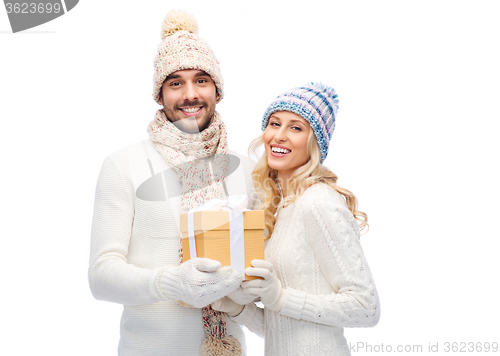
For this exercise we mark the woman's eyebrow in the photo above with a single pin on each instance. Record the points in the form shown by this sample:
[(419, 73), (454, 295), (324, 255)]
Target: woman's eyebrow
[(294, 121)]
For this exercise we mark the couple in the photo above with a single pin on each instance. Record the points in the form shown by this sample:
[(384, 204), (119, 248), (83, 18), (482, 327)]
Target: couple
[(315, 279)]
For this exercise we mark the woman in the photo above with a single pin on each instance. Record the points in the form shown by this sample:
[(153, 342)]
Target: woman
[(315, 279)]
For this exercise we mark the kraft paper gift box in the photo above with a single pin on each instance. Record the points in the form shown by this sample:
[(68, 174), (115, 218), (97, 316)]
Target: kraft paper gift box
[(212, 234)]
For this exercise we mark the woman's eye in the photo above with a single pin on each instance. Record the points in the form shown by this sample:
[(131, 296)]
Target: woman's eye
[(297, 128), (274, 124)]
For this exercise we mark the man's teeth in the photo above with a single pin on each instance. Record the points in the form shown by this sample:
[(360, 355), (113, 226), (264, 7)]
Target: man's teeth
[(280, 150), (190, 110)]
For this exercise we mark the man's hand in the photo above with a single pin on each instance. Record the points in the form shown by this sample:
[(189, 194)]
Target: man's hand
[(198, 282)]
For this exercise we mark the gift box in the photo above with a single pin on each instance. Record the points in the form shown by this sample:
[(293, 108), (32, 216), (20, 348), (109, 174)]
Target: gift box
[(212, 232)]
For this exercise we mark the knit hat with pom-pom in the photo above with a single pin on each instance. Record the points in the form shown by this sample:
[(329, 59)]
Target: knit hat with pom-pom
[(315, 102), (181, 48)]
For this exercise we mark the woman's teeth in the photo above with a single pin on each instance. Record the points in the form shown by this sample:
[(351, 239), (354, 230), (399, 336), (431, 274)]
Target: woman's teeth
[(280, 150)]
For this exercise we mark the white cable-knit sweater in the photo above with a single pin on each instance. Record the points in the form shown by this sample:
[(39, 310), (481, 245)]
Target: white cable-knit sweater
[(135, 234), (316, 252)]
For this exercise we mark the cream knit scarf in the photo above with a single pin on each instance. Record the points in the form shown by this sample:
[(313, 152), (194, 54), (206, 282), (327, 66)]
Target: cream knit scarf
[(201, 181)]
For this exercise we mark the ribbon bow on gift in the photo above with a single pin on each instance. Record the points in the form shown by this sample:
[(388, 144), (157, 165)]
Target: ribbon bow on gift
[(236, 205)]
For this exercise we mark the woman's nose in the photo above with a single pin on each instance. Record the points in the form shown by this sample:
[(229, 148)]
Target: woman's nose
[(280, 135)]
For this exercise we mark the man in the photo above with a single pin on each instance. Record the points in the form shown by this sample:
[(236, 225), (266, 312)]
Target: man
[(141, 192)]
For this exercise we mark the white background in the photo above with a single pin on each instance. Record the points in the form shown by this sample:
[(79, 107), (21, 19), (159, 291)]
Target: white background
[(416, 141)]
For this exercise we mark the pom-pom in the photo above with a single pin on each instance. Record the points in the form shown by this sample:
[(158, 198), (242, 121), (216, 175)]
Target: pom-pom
[(227, 346), (320, 87), (178, 20)]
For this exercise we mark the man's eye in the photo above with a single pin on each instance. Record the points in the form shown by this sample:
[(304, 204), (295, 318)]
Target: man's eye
[(202, 80), (175, 84)]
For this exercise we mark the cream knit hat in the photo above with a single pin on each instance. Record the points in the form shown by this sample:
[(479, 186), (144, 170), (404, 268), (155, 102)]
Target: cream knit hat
[(181, 48)]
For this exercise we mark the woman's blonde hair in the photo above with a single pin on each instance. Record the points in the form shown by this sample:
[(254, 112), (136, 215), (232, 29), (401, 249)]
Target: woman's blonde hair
[(266, 185)]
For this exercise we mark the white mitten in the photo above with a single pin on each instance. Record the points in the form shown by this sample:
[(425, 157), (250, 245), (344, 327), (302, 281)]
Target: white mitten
[(228, 306), (269, 289), (198, 282)]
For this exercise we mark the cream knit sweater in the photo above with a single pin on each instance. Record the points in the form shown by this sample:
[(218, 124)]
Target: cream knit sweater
[(135, 234), (316, 252)]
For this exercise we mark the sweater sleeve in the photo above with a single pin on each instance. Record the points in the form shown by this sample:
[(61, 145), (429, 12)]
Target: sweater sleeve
[(252, 317), (111, 278), (333, 233)]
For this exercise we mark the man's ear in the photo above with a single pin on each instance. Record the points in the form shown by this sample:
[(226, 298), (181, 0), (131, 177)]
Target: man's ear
[(161, 98)]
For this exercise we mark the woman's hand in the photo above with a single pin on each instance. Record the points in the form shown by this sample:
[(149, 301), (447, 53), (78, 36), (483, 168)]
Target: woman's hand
[(228, 306), (269, 289)]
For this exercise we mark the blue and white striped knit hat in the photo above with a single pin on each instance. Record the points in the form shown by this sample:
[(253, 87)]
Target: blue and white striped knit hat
[(317, 103)]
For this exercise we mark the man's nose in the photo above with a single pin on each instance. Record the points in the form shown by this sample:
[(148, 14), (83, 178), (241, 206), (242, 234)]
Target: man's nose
[(190, 92)]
